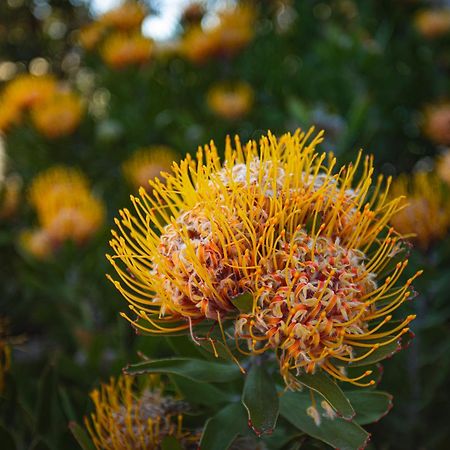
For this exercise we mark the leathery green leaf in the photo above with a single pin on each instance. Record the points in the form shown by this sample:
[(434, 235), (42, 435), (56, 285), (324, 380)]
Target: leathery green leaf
[(261, 400), (195, 369), (339, 433), (223, 428), (370, 406), (330, 391)]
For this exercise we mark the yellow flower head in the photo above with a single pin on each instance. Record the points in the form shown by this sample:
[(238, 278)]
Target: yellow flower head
[(148, 163), (127, 17), (37, 243), (138, 418), (233, 32), (25, 91), (197, 45), (58, 115), (235, 29), (433, 23), (10, 115), (437, 123), (443, 166), (231, 101), (122, 50), (10, 196), (279, 222), (90, 35), (65, 206), (425, 215)]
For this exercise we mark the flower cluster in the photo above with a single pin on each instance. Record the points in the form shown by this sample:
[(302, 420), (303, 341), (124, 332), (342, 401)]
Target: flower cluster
[(433, 23), (234, 30), (309, 243), (437, 123), (137, 417), (148, 163), (117, 36), (66, 210), (230, 101), (54, 110)]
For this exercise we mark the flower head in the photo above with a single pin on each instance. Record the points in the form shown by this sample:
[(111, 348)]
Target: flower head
[(65, 206), (437, 123), (127, 17), (10, 196), (58, 115), (27, 90), (122, 50), (278, 222), (232, 33), (37, 242), (139, 418), (91, 34), (425, 215), (443, 166), (231, 101), (148, 163), (433, 23)]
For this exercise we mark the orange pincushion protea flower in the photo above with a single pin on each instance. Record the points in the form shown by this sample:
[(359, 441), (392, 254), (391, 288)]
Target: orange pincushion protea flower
[(58, 115), (443, 166), (278, 222), (128, 16), (233, 32), (90, 35), (65, 207), (231, 101), (437, 123), (425, 217), (148, 163), (127, 416), (122, 50), (27, 90), (433, 23)]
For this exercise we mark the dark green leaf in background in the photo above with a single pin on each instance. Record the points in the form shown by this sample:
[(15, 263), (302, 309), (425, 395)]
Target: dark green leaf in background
[(195, 369)]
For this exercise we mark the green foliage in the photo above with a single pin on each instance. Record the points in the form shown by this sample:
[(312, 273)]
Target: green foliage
[(361, 71)]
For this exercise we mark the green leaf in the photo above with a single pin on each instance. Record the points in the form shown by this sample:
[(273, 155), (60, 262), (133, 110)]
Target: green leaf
[(199, 393), (216, 348), (243, 302), (45, 408), (330, 391), (337, 432), (81, 436), (386, 351), (222, 429), (370, 406), (195, 369), (7, 439), (170, 443), (260, 400)]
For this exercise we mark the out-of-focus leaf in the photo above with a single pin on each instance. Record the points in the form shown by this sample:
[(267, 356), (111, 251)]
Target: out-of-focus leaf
[(243, 302), (200, 393), (195, 369), (6, 439), (370, 406), (81, 436), (40, 444), (337, 432), (170, 443), (222, 429), (46, 401), (330, 391), (261, 400)]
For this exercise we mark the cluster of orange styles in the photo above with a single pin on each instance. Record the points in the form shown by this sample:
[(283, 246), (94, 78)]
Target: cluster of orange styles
[(277, 220)]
